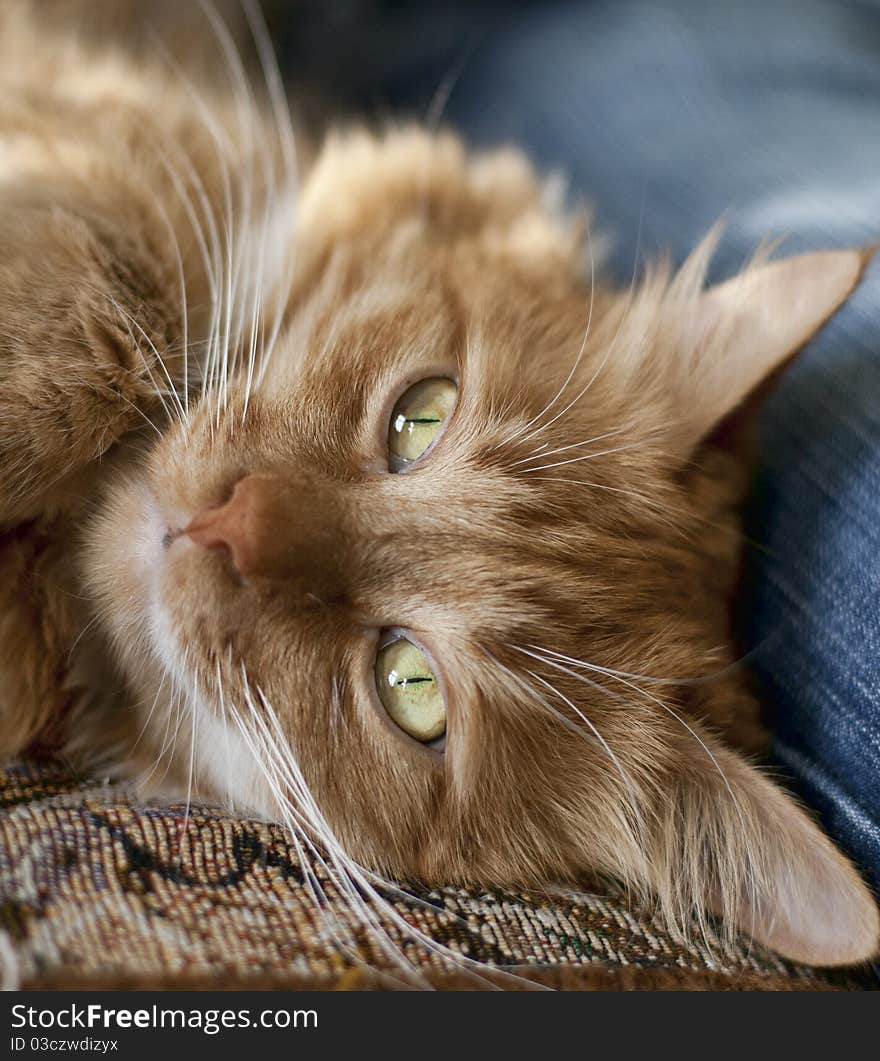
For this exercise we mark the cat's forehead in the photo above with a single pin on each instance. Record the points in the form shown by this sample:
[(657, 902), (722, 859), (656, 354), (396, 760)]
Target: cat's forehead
[(338, 308), (416, 301)]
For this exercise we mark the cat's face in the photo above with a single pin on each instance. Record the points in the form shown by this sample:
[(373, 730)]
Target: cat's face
[(447, 564)]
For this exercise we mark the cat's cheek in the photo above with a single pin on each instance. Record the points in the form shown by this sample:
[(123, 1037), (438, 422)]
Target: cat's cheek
[(229, 770), (196, 600)]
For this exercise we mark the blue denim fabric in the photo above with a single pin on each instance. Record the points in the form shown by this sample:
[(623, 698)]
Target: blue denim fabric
[(669, 114)]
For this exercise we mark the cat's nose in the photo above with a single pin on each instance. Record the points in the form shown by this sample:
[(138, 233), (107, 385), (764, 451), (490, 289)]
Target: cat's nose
[(285, 525), (235, 525)]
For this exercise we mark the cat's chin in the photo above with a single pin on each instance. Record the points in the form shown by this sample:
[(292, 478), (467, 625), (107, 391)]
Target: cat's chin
[(158, 535), (136, 534), (125, 560)]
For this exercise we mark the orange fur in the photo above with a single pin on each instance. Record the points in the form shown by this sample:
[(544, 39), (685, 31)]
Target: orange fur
[(577, 608)]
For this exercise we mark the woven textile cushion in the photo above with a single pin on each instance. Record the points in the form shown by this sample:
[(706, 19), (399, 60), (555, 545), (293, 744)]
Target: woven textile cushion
[(100, 890)]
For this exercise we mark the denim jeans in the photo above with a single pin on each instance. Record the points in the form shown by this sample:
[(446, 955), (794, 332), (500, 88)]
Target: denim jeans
[(669, 114)]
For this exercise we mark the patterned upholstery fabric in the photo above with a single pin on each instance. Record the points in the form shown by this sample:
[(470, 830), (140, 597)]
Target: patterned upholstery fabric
[(97, 889)]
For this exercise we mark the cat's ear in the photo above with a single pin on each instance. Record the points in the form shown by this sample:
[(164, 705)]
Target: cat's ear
[(408, 184), (753, 856), (740, 332)]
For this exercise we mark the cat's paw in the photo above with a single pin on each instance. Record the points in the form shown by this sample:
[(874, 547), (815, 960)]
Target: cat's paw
[(39, 624), (87, 332)]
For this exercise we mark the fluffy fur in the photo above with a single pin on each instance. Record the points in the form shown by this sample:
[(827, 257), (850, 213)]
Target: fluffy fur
[(170, 324)]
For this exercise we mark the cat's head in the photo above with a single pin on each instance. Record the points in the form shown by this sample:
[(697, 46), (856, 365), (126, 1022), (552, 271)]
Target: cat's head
[(451, 560)]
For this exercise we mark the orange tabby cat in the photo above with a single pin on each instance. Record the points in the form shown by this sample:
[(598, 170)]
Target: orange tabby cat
[(361, 503)]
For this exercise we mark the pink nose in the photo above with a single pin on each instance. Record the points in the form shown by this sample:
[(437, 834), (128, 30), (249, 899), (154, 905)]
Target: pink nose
[(234, 525)]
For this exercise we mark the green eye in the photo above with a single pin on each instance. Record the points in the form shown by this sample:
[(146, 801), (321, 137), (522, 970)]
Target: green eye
[(417, 419), (409, 690)]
